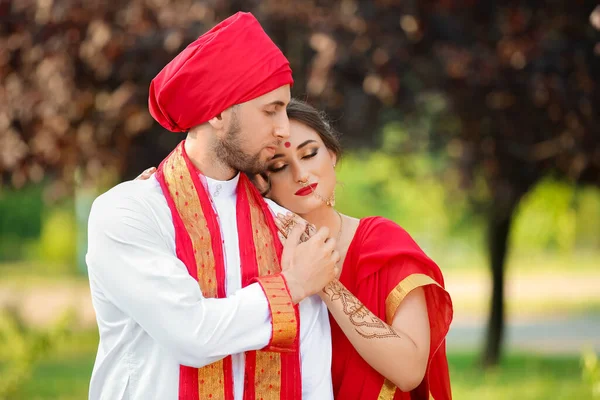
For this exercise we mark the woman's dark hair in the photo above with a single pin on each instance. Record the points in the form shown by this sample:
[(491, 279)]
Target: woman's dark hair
[(301, 111)]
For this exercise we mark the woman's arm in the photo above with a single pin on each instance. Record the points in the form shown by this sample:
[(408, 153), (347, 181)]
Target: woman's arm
[(399, 352)]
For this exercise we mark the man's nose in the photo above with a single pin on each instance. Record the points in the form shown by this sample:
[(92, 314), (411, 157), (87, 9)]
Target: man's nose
[(282, 129)]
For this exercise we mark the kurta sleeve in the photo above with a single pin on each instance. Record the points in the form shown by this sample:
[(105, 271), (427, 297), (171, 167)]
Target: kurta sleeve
[(132, 264)]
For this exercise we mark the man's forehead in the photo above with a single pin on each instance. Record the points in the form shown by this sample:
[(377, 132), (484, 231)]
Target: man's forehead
[(279, 96)]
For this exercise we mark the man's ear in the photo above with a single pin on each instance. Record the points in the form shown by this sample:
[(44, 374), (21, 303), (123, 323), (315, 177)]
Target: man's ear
[(217, 122)]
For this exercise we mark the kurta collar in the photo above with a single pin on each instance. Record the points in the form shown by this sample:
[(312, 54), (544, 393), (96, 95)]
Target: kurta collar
[(222, 189)]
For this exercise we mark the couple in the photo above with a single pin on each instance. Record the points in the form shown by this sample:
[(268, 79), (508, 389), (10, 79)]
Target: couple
[(195, 294)]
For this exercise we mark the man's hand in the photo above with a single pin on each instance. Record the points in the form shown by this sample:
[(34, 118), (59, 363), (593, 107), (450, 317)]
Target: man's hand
[(308, 266), (146, 174)]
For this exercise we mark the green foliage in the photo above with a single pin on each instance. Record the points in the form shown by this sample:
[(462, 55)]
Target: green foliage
[(58, 239), (421, 193), (21, 221), (591, 372), (559, 217), (412, 194), (22, 348)]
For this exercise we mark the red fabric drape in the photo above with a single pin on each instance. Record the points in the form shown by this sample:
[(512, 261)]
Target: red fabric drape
[(381, 257)]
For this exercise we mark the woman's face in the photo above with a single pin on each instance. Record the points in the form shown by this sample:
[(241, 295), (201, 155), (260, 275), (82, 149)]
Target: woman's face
[(302, 171)]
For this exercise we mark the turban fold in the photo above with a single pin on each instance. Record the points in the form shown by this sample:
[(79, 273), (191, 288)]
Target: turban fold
[(232, 63)]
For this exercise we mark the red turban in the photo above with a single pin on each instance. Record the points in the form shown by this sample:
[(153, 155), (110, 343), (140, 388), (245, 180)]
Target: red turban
[(232, 63)]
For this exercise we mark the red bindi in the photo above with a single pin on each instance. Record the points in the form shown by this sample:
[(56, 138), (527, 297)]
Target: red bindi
[(287, 144)]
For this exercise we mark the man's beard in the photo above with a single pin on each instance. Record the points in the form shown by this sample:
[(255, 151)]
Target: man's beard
[(230, 151)]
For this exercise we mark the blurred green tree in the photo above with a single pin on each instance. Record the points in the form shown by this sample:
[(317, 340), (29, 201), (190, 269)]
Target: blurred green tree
[(510, 88)]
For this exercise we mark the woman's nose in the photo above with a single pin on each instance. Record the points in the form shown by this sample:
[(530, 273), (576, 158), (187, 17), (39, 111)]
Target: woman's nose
[(300, 175)]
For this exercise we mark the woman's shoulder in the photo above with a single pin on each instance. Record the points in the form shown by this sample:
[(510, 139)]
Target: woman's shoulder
[(385, 237), (381, 228), (382, 242)]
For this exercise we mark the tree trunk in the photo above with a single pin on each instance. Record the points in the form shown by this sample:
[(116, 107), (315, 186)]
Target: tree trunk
[(499, 229)]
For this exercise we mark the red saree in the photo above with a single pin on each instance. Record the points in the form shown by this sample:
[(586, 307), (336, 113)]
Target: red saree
[(274, 372), (383, 264)]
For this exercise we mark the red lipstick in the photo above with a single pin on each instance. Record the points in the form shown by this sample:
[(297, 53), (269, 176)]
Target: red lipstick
[(305, 191)]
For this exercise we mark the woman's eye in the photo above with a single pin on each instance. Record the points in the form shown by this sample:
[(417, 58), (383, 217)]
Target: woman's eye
[(270, 113), (311, 155), (277, 168)]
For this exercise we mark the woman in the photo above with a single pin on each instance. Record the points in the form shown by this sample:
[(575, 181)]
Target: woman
[(389, 310)]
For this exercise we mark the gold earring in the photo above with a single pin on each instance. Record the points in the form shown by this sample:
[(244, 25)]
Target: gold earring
[(331, 200)]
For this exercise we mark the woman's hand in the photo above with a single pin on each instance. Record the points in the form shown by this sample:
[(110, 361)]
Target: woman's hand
[(285, 223)]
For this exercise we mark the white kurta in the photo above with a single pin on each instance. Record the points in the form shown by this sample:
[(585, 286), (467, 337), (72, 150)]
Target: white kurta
[(152, 316)]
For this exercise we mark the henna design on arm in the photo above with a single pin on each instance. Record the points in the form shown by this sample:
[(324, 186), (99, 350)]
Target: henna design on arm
[(366, 323)]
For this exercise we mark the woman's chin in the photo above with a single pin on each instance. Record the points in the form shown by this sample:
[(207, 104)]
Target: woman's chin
[(306, 205)]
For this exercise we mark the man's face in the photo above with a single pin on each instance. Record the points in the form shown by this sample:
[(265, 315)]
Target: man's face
[(254, 130)]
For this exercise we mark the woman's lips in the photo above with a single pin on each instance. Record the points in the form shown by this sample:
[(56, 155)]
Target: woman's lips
[(305, 191)]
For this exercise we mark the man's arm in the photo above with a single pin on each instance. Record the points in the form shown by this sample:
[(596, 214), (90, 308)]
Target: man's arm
[(138, 272)]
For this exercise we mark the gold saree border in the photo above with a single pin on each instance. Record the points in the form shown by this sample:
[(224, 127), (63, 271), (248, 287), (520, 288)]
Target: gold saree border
[(392, 302), (388, 390), (406, 285), (179, 181)]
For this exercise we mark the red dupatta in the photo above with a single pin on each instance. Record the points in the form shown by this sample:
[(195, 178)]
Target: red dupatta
[(383, 264), (272, 373)]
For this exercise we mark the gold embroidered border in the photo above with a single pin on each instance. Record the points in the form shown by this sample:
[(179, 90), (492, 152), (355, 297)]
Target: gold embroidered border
[(182, 191), (266, 256), (388, 390), (283, 314), (398, 294), (211, 381), (267, 376), (392, 302)]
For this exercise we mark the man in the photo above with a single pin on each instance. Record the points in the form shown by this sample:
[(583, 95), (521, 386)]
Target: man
[(195, 296)]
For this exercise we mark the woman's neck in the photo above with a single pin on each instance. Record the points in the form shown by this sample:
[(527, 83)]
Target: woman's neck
[(324, 216)]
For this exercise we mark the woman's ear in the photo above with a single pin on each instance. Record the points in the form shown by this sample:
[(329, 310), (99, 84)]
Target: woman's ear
[(333, 157)]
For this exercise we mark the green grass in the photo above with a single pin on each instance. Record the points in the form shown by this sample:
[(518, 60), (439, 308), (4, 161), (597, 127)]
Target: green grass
[(65, 376), (520, 376)]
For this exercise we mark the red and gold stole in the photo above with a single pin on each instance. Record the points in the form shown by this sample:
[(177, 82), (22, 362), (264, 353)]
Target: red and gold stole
[(274, 372)]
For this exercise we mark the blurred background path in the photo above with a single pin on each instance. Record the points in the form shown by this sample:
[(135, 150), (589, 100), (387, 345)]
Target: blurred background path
[(549, 313)]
